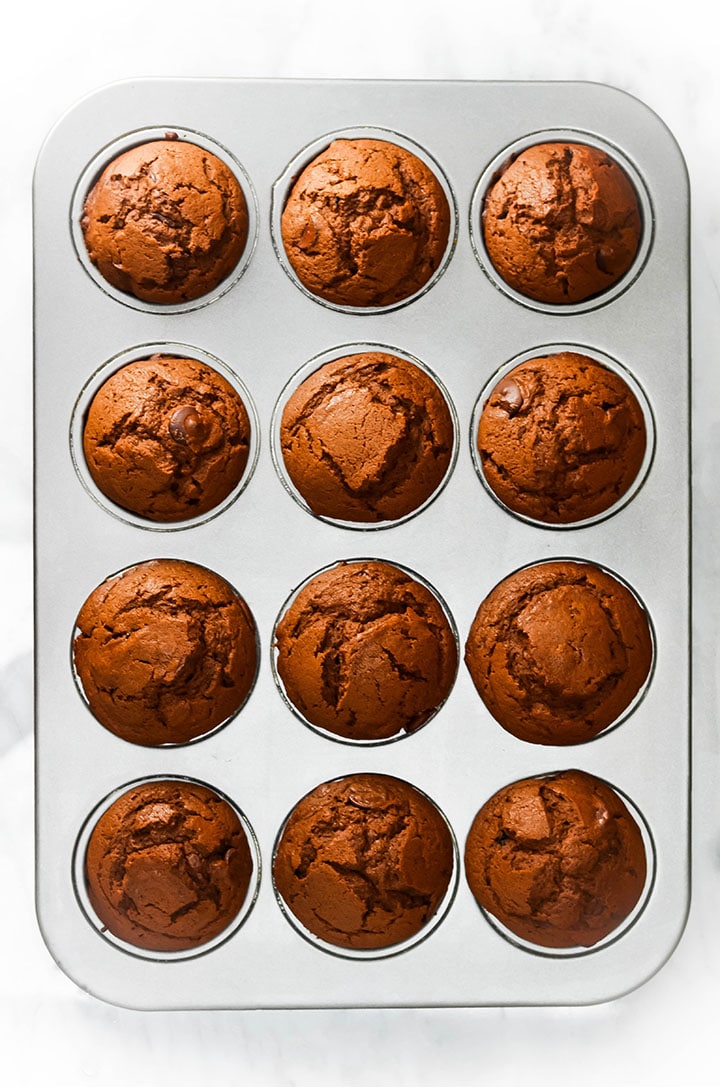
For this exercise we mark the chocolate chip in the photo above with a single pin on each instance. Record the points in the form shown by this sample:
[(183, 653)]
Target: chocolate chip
[(509, 396), (603, 256), (185, 424), (308, 237)]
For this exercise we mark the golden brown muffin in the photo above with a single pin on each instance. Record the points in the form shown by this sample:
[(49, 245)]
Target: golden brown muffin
[(166, 221), (167, 438), (558, 651), (364, 862), (561, 438), (168, 866), (165, 651), (562, 223), (558, 860), (366, 223), (366, 438), (365, 651)]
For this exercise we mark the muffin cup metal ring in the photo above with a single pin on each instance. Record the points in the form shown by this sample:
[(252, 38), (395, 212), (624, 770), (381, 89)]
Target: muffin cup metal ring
[(95, 382), (578, 951), (334, 736), (83, 899), (301, 375), (503, 159), (134, 139), (370, 954), (282, 187), (609, 363)]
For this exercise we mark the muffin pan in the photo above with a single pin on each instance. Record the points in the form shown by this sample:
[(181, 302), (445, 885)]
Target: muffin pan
[(261, 329)]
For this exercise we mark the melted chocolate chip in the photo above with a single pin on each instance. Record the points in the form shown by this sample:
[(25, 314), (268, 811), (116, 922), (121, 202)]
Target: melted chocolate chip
[(185, 425), (603, 257), (509, 396)]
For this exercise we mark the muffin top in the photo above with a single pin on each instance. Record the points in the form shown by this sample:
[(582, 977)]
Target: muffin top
[(561, 438), (562, 222), (168, 865), (366, 223), (167, 438), (367, 438), (364, 861), (165, 652), (166, 221), (558, 651), (365, 651), (558, 860)]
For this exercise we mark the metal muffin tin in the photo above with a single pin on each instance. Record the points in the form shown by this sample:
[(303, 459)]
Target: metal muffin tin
[(263, 329)]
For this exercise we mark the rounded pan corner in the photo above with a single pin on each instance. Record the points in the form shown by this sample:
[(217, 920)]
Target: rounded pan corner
[(648, 972), (57, 128), (628, 98), (83, 111), (90, 986), (60, 962)]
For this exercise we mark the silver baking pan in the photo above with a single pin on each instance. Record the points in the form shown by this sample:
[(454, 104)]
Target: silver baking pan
[(264, 329)]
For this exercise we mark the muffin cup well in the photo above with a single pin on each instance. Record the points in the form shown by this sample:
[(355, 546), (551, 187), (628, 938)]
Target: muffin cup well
[(617, 933), (203, 735), (284, 183), (491, 173), (610, 364), (83, 899), (95, 382), (301, 375), (401, 734), (369, 954), (104, 157), (643, 689)]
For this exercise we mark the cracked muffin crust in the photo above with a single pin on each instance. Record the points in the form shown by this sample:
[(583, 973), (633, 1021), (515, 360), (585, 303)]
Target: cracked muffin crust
[(168, 865), (558, 860), (366, 223), (364, 862), (166, 438), (165, 652), (365, 651), (561, 438), (562, 223), (166, 221), (558, 651), (367, 437)]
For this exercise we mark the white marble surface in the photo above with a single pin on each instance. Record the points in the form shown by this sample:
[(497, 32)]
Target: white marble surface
[(49, 1030)]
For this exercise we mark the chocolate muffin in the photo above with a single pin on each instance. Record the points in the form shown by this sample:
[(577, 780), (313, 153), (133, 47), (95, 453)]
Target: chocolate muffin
[(562, 222), (367, 438), (365, 651), (167, 438), (558, 860), (558, 651), (366, 224), (168, 866), (166, 221), (561, 438), (364, 862), (165, 651)]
